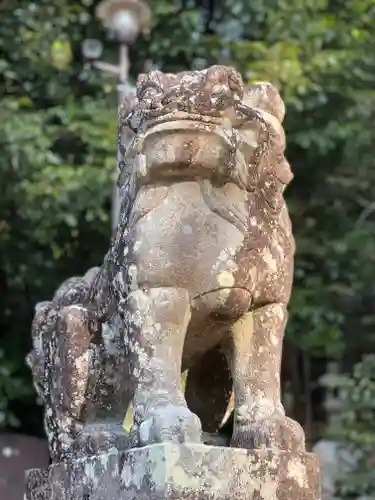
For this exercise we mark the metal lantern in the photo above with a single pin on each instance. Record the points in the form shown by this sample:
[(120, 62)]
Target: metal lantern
[(125, 18)]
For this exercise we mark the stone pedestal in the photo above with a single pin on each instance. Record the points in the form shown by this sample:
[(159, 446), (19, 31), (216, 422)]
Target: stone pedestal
[(180, 472)]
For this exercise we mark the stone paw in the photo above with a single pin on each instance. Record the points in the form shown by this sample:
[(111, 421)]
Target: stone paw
[(167, 424), (276, 432), (99, 438)]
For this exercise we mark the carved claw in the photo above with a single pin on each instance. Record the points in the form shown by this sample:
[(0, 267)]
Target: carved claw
[(276, 431), (171, 424)]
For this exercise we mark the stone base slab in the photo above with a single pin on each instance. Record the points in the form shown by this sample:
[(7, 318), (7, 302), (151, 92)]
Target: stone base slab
[(180, 472)]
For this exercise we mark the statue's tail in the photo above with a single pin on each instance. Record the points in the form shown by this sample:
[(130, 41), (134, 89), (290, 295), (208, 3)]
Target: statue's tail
[(102, 298)]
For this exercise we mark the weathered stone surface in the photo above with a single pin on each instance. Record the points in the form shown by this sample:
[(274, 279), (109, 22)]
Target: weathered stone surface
[(201, 266), (181, 472)]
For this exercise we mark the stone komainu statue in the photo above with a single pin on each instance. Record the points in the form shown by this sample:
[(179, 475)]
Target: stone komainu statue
[(200, 270)]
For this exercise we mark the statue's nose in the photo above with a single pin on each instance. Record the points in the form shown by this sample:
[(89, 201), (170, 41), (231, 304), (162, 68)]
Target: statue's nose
[(221, 96), (221, 89)]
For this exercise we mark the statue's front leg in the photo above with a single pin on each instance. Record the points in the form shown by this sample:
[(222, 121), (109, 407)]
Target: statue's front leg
[(157, 322), (259, 418)]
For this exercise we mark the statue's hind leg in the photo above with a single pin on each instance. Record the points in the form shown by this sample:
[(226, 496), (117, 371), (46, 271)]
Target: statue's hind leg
[(157, 323), (259, 419)]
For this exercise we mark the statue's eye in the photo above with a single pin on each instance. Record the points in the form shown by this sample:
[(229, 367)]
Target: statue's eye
[(129, 121), (133, 121)]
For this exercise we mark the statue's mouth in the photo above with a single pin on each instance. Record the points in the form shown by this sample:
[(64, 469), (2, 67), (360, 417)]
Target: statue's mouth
[(223, 126)]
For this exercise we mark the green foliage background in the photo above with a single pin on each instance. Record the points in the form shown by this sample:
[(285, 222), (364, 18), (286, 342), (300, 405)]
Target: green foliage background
[(57, 140), (354, 428)]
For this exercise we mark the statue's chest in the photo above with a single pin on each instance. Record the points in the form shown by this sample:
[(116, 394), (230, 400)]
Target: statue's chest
[(191, 203), (199, 237), (200, 213), (186, 235)]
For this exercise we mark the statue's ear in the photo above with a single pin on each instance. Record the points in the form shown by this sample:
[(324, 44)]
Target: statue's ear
[(266, 97)]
